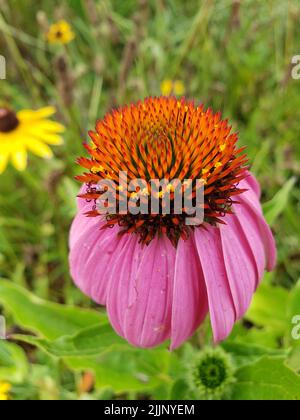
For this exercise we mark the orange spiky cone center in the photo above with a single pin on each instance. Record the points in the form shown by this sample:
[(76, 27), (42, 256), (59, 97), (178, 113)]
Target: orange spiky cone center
[(163, 138)]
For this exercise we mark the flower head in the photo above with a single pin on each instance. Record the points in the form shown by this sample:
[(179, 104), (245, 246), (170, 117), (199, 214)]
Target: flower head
[(163, 138), (60, 33), (211, 374), (27, 131), (158, 276), (5, 387)]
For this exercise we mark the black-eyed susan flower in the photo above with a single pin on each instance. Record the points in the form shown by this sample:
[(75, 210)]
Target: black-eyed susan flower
[(5, 388), (60, 33), (159, 277), (169, 87), (25, 131)]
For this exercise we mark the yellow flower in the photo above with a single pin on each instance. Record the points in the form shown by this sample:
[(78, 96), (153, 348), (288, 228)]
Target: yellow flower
[(4, 391), (169, 87), (27, 131), (179, 88), (60, 33), (166, 87)]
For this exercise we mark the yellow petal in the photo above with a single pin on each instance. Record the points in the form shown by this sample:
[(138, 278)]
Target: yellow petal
[(39, 128), (166, 87), (3, 165), (5, 387), (36, 131), (39, 148), (52, 126), (19, 159), (51, 139), (51, 36), (63, 25), (179, 88), (68, 37), (29, 115)]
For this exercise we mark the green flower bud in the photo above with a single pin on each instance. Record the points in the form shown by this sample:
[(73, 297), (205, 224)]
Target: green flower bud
[(211, 374)]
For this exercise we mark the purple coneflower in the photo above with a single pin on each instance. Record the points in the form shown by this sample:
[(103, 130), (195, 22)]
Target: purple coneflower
[(157, 276)]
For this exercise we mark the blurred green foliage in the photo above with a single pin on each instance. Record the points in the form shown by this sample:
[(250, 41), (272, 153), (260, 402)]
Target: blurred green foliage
[(235, 57)]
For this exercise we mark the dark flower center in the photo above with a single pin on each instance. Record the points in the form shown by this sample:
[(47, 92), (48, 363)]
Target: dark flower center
[(212, 373), (8, 120)]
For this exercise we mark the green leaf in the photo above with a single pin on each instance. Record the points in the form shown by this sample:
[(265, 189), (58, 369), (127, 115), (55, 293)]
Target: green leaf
[(50, 320), (179, 390), (294, 306), (130, 370), (245, 353), (88, 342), (67, 189), (274, 308), (293, 315), (267, 379), (13, 363), (275, 207), (255, 335), (294, 360), (269, 308)]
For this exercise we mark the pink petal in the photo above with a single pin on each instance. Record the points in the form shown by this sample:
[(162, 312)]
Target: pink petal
[(190, 304), (240, 265), (251, 183), (140, 293), (82, 203), (120, 281), (248, 229), (92, 254), (81, 223), (221, 306), (255, 218)]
